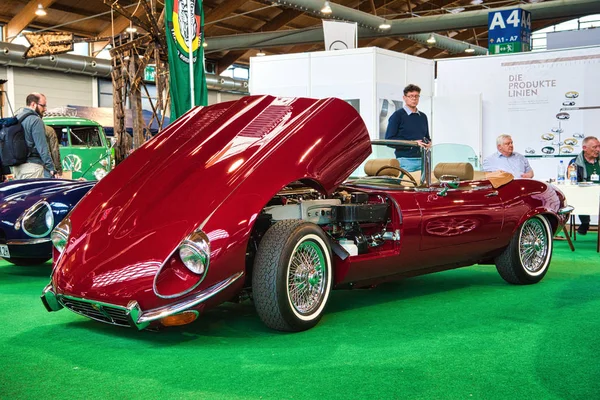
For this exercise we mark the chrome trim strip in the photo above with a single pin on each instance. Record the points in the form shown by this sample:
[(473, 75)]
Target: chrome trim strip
[(161, 312), (30, 211), (566, 210), (21, 242)]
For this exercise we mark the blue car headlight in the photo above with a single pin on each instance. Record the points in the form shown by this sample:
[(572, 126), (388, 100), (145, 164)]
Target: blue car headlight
[(37, 221), (60, 235), (194, 252)]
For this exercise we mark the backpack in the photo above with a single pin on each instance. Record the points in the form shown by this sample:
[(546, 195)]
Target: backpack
[(13, 148)]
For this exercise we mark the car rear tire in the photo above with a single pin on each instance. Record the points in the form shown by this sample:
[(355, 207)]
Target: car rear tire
[(527, 257), (292, 276), (26, 261)]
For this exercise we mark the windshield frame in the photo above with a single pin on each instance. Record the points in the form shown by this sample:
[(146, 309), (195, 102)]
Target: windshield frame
[(425, 155)]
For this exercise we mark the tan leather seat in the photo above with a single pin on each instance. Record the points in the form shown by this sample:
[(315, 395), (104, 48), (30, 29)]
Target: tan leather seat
[(479, 175), (375, 164), (464, 171)]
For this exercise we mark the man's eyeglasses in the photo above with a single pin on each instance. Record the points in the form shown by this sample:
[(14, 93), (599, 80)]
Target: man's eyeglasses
[(413, 96), (42, 105)]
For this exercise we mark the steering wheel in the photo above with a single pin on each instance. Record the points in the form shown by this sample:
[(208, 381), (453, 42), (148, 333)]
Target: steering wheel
[(402, 170)]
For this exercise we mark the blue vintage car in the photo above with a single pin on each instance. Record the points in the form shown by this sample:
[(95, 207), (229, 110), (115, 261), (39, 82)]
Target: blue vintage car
[(29, 210)]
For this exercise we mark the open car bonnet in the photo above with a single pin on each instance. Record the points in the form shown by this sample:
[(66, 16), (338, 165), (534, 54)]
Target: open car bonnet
[(136, 216)]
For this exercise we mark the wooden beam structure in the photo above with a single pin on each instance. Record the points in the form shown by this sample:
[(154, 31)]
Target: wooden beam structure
[(24, 18)]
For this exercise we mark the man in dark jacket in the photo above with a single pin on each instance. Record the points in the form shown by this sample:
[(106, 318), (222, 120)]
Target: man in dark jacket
[(38, 157), (588, 170), (54, 149)]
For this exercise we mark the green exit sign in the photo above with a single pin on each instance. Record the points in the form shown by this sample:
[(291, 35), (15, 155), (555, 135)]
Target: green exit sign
[(150, 73), (507, 48)]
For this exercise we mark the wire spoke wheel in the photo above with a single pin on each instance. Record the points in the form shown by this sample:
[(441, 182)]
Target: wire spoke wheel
[(526, 258), (306, 277), (534, 246), (292, 275)]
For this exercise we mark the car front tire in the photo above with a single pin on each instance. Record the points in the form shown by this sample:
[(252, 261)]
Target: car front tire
[(292, 276), (527, 257)]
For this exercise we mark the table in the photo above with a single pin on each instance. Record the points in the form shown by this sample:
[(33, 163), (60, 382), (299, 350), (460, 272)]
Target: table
[(585, 200)]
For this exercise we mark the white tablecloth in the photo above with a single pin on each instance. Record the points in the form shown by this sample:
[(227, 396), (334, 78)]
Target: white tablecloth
[(585, 199)]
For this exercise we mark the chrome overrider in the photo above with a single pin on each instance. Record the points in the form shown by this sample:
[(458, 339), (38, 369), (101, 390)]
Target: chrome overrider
[(566, 210), (137, 317)]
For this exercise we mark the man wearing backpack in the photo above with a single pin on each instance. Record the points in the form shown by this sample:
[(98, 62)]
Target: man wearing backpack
[(38, 157)]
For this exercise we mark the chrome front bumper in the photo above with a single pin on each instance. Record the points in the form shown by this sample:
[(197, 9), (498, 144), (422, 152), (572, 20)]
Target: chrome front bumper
[(132, 314), (565, 210)]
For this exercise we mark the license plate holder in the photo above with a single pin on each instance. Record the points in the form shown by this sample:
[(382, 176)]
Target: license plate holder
[(4, 251)]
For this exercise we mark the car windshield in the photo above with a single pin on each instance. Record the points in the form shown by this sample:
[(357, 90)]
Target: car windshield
[(382, 166), (88, 136)]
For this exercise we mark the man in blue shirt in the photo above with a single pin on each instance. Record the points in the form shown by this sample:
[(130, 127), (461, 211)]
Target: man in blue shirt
[(507, 160), (408, 123)]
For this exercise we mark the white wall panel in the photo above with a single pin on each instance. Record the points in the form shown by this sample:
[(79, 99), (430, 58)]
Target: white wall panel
[(61, 89), (285, 75), (390, 67), (420, 72), (342, 67)]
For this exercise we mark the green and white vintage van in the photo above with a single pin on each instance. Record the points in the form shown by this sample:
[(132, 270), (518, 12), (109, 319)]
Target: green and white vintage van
[(84, 148)]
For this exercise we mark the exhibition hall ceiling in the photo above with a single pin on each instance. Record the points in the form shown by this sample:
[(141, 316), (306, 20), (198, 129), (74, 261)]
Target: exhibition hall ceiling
[(87, 18)]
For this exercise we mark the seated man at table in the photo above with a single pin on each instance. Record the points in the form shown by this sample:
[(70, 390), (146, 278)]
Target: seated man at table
[(588, 170), (507, 160)]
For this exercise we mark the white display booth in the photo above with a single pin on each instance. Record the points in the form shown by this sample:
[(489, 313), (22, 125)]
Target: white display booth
[(547, 101), (370, 79)]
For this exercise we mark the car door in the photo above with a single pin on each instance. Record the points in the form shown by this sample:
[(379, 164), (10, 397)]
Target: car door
[(468, 218)]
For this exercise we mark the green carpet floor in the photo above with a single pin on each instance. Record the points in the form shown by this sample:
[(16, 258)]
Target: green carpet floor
[(459, 334)]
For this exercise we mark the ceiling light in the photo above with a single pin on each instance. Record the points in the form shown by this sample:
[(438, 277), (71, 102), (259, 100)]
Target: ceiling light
[(385, 25), (40, 11), (455, 10), (431, 39), (476, 2), (326, 8), (469, 50), (131, 29), (204, 44), (260, 53)]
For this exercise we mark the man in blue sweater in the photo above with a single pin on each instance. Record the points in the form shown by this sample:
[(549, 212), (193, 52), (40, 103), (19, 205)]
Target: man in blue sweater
[(408, 123)]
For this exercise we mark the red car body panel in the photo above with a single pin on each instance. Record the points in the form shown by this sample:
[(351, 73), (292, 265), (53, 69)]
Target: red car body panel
[(470, 224), (216, 168)]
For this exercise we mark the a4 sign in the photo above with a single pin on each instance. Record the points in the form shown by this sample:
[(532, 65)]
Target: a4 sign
[(509, 26)]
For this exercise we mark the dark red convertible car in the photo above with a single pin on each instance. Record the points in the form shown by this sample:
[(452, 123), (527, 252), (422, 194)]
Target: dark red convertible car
[(253, 198)]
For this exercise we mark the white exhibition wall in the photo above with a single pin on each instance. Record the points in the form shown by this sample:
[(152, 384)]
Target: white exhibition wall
[(548, 101), (370, 79)]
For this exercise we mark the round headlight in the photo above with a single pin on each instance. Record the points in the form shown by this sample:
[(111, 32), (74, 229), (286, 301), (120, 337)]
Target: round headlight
[(60, 235), (100, 173), (49, 219), (38, 220), (194, 252), (193, 258)]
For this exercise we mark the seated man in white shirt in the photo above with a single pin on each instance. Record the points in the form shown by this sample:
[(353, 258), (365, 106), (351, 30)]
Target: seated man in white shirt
[(507, 160)]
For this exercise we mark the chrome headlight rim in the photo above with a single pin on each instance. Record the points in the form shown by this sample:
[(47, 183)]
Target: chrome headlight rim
[(61, 234), (193, 251), (31, 212), (200, 242)]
